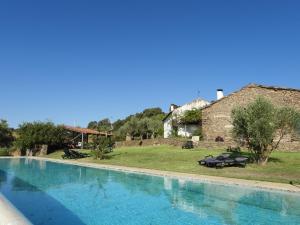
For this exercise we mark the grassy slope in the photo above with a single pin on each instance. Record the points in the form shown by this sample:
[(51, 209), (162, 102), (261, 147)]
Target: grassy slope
[(283, 167)]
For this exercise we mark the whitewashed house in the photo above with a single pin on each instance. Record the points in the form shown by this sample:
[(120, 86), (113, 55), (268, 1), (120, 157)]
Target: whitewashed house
[(185, 130)]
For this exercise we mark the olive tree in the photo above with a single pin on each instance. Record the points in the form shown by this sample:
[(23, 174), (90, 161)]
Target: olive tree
[(261, 127), (101, 146)]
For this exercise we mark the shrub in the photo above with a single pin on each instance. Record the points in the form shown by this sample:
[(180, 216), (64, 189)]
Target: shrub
[(102, 146), (33, 135), (4, 152)]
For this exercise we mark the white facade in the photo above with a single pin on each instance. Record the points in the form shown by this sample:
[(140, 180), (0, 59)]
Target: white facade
[(187, 130), (183, 130), (168, 127)]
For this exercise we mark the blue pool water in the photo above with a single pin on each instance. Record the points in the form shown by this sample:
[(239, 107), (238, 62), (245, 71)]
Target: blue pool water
[(51, 193)]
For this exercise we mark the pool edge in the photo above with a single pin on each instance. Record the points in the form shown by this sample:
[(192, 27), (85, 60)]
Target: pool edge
[(10, 215)]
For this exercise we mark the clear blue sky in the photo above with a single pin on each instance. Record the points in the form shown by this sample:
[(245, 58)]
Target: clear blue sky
[(85, 60)]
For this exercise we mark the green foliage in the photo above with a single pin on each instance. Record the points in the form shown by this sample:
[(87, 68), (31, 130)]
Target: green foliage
[(151, 112), (287, 122), (191, 117), (6, 136), (102, 146), (199, 133), (147, 124), (102, 125), (93, 125), (4, 152), (32, 135), (174, 132), (298, 128), (260, 123)]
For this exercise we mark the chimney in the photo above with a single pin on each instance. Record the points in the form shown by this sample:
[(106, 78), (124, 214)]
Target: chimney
[(220, 94), (173, 107)]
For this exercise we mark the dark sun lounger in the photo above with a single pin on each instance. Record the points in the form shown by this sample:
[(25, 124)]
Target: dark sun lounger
[(222, 160), (72, 154)]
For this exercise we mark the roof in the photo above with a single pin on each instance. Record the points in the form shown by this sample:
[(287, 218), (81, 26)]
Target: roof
[(272, 87), (194, 101), (253, 85), (167, 116), (85, 130)]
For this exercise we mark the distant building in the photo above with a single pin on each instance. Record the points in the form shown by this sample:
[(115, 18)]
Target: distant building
[(185, 130), (216, 117)]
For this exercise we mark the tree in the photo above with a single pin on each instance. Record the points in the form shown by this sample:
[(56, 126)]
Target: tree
[(143, 128), (287, 122), (156, 127), (261, 127), (152, 112), (191, 117), (104, 125), (33, 135), (117, 124), (101, 147), (6, 136), (93, 125), (130, 128), (137, 125)]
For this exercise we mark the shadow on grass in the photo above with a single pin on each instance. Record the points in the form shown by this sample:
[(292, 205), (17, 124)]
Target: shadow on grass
[(113, 155), (275, 160)]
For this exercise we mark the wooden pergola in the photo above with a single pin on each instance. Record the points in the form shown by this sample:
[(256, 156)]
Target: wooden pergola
[(85, 131)]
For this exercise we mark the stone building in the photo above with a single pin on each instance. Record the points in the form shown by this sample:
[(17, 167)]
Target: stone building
[(216, 117)]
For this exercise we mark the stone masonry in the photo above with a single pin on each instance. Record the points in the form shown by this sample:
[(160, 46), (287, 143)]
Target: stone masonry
[(216, 118)]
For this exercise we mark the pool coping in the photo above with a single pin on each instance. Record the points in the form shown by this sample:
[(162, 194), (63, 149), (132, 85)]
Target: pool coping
[(181, 176), (9, 215), (185, 176)]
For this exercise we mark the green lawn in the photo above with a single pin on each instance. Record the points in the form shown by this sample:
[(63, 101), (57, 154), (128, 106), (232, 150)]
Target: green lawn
[(283, 166)]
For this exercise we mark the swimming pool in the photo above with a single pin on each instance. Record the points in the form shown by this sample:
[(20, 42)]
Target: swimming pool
[(53, 193)]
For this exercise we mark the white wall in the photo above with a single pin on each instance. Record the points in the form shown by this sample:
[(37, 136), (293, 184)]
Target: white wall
[(187, 130), (168, 127), (182, 130)]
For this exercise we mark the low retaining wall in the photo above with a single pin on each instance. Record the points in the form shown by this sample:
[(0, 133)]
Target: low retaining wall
[(10, 215), (287, 146), (174, 142)]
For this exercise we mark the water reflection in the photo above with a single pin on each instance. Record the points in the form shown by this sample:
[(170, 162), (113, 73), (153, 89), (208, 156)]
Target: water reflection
[(121, 198), (3, 177)]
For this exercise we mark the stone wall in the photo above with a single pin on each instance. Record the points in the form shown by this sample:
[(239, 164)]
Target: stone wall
[(291, 147), (176, 143), (152, 142), (216, 119)]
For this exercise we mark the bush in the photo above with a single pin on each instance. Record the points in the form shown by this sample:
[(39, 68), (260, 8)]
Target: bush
[(102, 146), (4, 152), (33, 135)]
